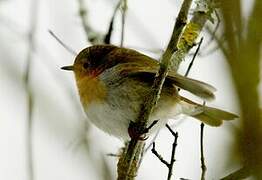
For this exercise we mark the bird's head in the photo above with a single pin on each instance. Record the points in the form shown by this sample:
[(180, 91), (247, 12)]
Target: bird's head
[(91, 61)]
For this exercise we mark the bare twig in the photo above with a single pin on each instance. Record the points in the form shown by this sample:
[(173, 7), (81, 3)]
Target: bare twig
[(203, 165), (152, 141), (219, 41), (69, 49), (113, 155), (212, 34), (107, 38), (29, 131), (91, 36), (169, 165), (124, 8), (151, 125), (193, 59), (216, 27), (154, 151), (96, 38), (172, 160), (127, 163), (213, 49)]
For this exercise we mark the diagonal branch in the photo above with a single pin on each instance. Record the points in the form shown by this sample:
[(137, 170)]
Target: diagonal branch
[(202, 13), (107, 38), (194, 57), (153, 150), (69, 49), (127, 162)]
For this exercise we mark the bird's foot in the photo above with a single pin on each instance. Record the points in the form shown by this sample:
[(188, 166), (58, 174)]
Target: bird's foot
[(136, 131)]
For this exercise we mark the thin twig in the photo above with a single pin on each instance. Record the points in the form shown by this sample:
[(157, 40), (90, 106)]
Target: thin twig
[(170, 164), (212, 34), (213, 49), (203, 165), (29, 131), (107, 38), (69, 49), (217, 25), (193, 59), (152, 141), (220, 43), (113, 155), (124, 8), (154, 151), (151, 125), (172, 160), (91, 36)]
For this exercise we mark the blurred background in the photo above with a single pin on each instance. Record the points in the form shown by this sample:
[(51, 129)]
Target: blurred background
[(64, 145)]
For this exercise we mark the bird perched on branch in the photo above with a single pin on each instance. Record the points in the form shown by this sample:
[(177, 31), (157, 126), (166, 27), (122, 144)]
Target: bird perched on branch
[(113, 83)]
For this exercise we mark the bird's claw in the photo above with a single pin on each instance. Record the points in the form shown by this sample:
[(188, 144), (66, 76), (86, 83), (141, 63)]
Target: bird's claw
[(137, 132)]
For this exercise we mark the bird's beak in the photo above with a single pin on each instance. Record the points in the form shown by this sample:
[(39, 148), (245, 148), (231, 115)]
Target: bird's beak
[(68, 68)]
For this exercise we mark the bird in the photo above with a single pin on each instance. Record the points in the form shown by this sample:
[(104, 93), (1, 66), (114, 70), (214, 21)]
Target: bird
[(113, 83)]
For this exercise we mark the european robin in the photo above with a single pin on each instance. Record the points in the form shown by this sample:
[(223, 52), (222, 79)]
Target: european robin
[(113, 83)]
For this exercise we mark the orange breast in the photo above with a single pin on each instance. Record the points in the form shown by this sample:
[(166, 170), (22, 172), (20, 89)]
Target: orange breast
[(91, 90)]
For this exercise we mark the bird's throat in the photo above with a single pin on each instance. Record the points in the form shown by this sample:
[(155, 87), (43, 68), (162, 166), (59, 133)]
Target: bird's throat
[(91, 90)]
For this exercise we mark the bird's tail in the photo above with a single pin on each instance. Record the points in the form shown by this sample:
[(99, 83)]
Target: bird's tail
[(208, 115)]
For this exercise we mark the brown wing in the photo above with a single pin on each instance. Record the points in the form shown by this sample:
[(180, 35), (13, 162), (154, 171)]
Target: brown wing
[(196, 87), (129, 62)]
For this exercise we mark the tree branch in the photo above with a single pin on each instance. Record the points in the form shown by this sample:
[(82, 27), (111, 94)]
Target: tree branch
[(29, 131), (92, 36), (169, 165), (201, 15), (194, 57), (69, 49), (172, 160), (107, 38), (124, 8), (153, 150), (203, 165), (128, 162)]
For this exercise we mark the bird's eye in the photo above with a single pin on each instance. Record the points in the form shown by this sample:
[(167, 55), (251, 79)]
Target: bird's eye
[(86, 65)]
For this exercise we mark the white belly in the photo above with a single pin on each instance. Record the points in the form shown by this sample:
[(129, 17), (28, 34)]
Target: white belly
[(123, 104), (115, 121)]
